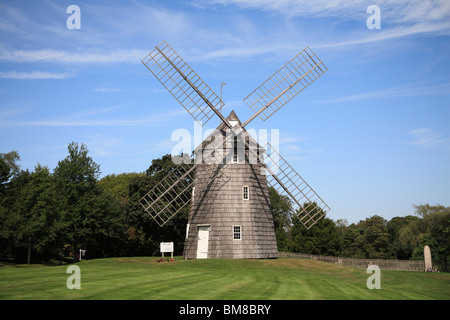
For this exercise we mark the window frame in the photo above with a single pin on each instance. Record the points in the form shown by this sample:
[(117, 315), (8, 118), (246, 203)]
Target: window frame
[(244, 193), (237, 232), (235, 150)]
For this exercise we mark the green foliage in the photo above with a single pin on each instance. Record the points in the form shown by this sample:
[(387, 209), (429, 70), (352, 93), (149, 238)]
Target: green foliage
[(77, 174), (5, 173), (352, 238), (43, 212), (433, 230), (398, 229), (117, 185), (8, 167), (36, 211), (46, 213), (282, 218), (11, 158), (375, 240), (142, 229), (92, 216), (322, 238)]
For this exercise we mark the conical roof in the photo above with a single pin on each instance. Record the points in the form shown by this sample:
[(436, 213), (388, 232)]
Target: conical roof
[(223, 129), (233, 117)]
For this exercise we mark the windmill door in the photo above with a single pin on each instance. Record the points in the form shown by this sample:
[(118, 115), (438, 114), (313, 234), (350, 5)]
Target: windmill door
[(202, 244)]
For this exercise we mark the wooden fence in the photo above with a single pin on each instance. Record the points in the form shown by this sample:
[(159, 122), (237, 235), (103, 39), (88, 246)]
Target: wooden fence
[(386, 264)]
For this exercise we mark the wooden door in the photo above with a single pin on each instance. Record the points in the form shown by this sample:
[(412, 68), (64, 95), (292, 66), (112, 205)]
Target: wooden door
[(202, 244)]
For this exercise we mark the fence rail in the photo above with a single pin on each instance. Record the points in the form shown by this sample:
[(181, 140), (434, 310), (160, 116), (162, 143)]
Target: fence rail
[(386, 264)]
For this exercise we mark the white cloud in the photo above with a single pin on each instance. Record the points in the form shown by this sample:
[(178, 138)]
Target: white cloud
[(61, 56), (11, 112), (428, 138), (399, 91), (34, 75), (399, 18), (391, 33), (248, 39), (399, 11), (290, 148), (107, 89), (86, 119), (104, 145), (240, 39)]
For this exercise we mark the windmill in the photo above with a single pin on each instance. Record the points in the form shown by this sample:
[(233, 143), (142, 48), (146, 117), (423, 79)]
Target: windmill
[(227, 181)]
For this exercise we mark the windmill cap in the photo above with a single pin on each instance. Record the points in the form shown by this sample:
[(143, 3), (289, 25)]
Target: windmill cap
[(222, 130), (233, 117)]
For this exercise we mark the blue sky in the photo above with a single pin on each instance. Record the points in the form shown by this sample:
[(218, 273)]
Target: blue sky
[(371, 136)]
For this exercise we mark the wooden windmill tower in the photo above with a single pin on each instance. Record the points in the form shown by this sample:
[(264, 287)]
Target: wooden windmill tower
[(227, 183)]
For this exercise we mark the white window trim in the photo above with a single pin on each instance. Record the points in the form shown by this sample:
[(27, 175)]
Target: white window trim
[(240, 233), (243, 193)]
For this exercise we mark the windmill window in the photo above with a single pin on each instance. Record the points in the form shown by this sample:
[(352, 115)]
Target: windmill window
[(235, 151), (247, 142), (245, 193), (237, 235)]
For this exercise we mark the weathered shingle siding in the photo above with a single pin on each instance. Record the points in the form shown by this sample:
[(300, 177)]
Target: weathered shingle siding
[(218, 203)]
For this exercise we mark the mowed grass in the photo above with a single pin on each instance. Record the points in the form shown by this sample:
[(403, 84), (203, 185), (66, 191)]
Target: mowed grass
[(279, 279)]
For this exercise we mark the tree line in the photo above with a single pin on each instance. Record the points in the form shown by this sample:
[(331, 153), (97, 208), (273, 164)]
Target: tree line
[(48, 215), (401, 238)]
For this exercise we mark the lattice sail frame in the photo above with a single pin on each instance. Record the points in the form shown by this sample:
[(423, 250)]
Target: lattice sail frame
[(285, 84), (201, 102), (182, 82), (303, 200), (171, 194), (174, 191)]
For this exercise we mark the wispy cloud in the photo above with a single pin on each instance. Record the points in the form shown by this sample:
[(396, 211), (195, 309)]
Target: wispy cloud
[(399, 11), (242, 38), (388, 34), (402, 18), (66, 57), (291, 7), (290, 147), (85, 120), (104, 145), (33, 75), (113, 29), (12, 112), (95, 111), (428, 138), (398, 91), (107, 89), (79, 123)]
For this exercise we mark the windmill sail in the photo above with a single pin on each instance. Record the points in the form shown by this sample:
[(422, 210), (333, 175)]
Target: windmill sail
[(286, 83), (304, 201), (183, 83), (170, 195), (174, 191)]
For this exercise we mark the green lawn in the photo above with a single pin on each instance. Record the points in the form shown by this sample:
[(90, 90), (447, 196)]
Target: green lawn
[(279, 279)]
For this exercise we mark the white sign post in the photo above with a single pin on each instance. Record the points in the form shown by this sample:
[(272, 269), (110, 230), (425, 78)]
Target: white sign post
[(166, 247)]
